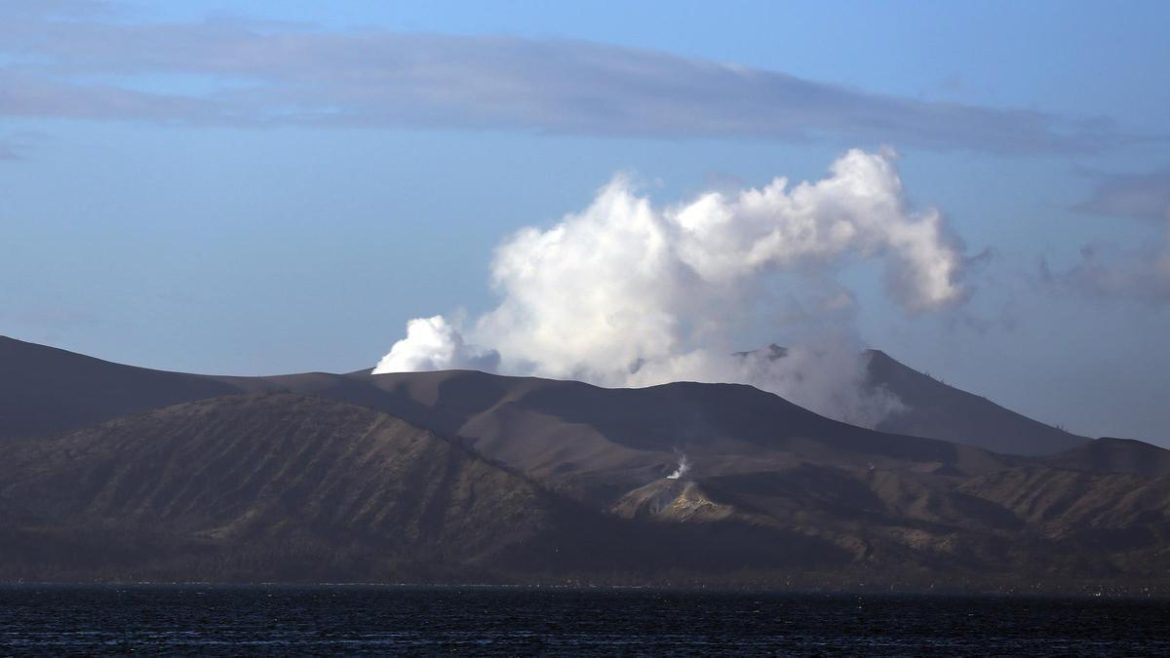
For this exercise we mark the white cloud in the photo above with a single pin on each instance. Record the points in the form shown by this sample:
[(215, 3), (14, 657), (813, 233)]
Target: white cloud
[(625, 293), (434, 344)]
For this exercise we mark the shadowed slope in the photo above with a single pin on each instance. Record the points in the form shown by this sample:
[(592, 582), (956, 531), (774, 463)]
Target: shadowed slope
[(939, 411), (293, 479), (1105, 523), (44, 390), (599, 443), (294, 488), (523, 479), (1108, 455)]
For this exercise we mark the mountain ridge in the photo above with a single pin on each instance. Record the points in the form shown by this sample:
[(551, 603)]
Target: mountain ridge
[(125, 389), (463, 476), (206, 489), (932, 404)]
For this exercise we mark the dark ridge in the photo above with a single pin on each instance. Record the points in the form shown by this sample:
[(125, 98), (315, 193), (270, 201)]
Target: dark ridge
[(44, 390), (1110, 455), (462, 476), (940, 411), (301, 489)]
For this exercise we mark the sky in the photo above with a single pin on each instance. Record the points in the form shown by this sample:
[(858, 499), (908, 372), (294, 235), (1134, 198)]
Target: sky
[(265, 187)]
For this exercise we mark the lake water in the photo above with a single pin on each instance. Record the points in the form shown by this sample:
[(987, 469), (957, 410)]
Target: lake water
[(344, 620)]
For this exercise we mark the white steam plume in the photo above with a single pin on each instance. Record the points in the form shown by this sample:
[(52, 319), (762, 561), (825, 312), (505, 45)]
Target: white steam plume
[(681, 471), (627, 294), (434, 344)]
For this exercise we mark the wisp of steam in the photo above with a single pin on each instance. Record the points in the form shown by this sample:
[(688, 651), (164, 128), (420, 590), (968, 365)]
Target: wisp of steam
[(684, 467), (628, 293)]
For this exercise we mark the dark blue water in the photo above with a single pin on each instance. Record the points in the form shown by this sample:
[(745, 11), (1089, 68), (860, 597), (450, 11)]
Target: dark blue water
[(192, 620)]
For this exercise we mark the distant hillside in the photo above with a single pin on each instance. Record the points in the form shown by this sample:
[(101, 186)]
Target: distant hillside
[(939, 411), (37, 398), (284, 487), (266, 486), (599, 443), (462, 476), (44, 390), (1108, 455), (292, 488)]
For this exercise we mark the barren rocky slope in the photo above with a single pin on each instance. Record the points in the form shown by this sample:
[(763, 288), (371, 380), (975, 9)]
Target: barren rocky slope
[(463, 476)]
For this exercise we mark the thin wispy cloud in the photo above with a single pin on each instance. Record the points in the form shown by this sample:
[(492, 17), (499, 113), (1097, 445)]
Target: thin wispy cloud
[(9, 150), (1107, 271), (40, 9), (1143, 196), (15, 145), (1110, 271), (31, 96), (86, 66)]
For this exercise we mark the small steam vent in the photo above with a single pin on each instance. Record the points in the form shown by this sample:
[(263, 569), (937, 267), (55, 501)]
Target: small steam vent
[(684, 466)]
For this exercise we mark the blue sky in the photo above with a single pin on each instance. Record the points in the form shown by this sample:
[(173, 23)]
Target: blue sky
[(279, 186)]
